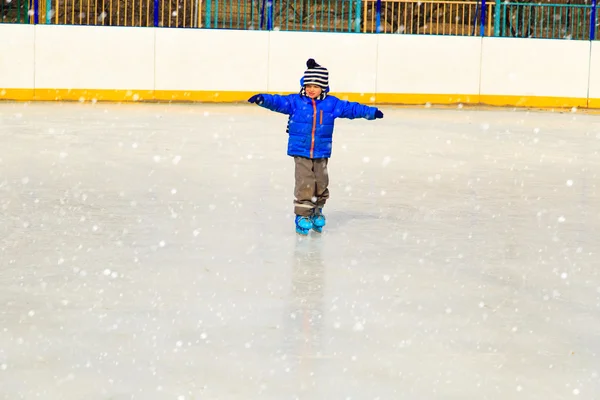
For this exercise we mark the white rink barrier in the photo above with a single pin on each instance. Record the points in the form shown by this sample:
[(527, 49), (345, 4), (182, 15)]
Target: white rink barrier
[(17, 62), (594, 81), (523, 71), (88, 63), (80, 58)]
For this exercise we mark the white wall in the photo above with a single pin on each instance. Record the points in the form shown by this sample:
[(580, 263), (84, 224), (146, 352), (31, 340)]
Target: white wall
[(94, 57), (190, 59), (428, 64), (396, 68), (16, 57), (350, 58), (594, 83), (535, 67)]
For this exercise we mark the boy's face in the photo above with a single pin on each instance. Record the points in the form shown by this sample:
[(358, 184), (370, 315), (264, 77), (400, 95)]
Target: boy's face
[(313, 91)]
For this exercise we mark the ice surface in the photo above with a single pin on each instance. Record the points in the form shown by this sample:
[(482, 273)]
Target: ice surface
[(148, 252)]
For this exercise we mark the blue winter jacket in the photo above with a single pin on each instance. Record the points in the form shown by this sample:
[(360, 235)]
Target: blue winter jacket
[(310, 126)]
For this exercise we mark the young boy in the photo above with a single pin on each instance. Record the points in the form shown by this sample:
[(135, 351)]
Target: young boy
[(310, 128)]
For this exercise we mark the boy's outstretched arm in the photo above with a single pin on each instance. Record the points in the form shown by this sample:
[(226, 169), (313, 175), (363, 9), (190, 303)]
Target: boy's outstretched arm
[(351, 110), (273, 102)]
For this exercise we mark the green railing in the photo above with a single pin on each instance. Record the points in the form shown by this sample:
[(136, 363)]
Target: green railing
[(463, 18), (288, 15), (14, 11), (551, 21)]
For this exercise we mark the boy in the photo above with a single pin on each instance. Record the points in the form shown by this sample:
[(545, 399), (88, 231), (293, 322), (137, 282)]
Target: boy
[(310, 128)]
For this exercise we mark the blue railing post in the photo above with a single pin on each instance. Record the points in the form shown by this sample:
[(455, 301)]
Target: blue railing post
[(269, 15), (156, 13), (593, 21), (379, 29), (268, 5), (483, 12), (497, 10), (358, 16), (262, 14), (36, 12)]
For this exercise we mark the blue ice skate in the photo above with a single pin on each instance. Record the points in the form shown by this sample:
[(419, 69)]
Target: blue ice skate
[(303, 224), (318, 220)]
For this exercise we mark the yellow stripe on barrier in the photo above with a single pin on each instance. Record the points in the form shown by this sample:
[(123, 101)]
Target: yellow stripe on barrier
[(533, 101), (415, 99), (84, 95), (16, 94), (191, 96), (201, 96), (593, 103)]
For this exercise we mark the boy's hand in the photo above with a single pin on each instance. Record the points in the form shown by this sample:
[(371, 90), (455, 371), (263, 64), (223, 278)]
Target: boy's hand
[(257, 98), (378, 114)]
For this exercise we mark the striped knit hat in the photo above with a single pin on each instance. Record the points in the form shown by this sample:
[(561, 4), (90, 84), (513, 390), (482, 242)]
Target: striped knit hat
[(316, 75)]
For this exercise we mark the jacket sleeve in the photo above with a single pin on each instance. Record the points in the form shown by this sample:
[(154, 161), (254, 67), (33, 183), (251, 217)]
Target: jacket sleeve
[(278, 103), (351, 110)]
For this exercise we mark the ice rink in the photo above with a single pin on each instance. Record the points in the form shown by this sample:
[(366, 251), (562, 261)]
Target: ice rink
[(148, 251)]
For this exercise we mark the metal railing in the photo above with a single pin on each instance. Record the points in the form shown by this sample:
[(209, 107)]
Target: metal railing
[(16, 11), (289, 15), (551, 21), (433, 17), (141, 13), (425, 17)]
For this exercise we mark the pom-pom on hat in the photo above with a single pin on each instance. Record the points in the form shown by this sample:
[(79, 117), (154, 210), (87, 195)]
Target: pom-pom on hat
[(316, 74)]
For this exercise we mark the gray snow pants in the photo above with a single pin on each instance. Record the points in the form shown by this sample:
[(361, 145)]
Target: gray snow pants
[(311, 189)]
